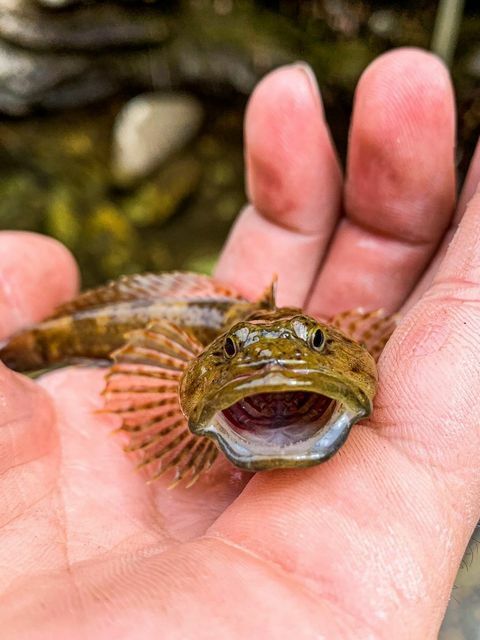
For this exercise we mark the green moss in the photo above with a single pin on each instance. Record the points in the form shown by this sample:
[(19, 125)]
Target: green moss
[(62, 222), (157, 200)]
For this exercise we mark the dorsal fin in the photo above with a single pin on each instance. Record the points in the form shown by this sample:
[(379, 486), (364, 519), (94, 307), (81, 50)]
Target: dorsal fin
[(176, 285), (268, 298)]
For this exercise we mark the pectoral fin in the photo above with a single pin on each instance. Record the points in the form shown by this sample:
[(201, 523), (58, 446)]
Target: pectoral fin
[(142, 388), (372, 328)]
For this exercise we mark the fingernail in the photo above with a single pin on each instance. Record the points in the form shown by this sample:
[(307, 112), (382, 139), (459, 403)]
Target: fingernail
[(309, 75)]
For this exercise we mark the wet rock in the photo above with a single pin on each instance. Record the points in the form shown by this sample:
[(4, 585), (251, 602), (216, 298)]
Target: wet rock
[(462, 618), (89, 27), (148, 130), (56, 3), (57, 54), (24, 76), (383, 23), (472, 63), (197, 63)]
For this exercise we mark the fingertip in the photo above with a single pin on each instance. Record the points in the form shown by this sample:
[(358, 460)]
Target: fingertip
[(407, 91), (295, 85), (404, 85), (401, 156), (292, 169), (409, 60), (37, 273)]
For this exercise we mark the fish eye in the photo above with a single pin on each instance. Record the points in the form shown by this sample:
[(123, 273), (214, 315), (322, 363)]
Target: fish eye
[(317, 339), (229, 347)]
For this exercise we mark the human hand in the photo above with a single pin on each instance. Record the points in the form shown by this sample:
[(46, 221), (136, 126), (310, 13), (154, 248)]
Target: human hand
[(365, 545)]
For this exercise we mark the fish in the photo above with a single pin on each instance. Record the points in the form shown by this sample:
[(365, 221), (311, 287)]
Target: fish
[(195, 369)]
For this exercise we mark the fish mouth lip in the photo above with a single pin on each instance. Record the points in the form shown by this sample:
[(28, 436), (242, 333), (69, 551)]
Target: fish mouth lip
[(334, 405)]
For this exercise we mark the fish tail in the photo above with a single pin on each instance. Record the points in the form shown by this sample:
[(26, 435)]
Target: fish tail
[(39, 347), (22, 352)]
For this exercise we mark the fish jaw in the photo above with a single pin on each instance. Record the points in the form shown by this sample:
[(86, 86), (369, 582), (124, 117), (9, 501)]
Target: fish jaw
[(301, 444)]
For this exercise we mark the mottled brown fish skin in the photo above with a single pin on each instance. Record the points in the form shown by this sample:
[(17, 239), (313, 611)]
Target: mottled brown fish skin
[(96, 333)]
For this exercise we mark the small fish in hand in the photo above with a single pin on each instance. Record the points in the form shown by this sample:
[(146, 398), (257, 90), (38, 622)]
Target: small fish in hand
[(197, 369)]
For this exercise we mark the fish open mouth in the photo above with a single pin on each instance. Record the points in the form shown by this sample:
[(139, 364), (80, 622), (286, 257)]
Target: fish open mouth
[(280, 418), (276, 420)]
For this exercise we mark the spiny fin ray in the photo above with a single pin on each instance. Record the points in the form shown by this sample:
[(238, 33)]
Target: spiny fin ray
[(142, 389), (176, 285), (370, 328)]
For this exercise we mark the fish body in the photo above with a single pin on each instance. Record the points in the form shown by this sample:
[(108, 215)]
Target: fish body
[(197, 369), (95, 325)]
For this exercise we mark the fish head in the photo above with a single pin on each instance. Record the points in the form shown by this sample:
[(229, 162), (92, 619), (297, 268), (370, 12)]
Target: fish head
[(278, 390)]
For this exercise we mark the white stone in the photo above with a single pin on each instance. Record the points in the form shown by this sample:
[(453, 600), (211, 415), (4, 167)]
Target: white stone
[(149, 129)]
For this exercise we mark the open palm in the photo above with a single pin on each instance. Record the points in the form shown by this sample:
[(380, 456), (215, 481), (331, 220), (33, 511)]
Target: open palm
[(366, 545)]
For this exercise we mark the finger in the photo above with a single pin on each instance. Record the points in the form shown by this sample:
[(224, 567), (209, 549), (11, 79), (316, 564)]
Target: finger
[(400, 186), (294, 183), (36, 274), (359, 529), (471, 184)]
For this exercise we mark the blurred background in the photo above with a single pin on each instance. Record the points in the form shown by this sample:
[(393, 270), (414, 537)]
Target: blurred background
[(121, 124)]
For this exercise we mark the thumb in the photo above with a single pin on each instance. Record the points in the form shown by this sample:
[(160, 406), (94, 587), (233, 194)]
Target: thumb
[(433, 370), (36, 274)]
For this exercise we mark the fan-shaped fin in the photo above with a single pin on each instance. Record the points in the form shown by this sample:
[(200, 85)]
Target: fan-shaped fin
[(372, 328), (142, 388), (176, 285)]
